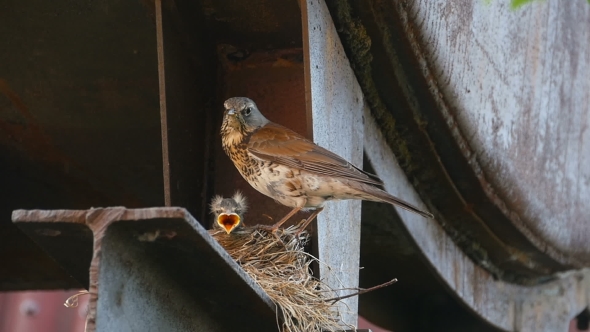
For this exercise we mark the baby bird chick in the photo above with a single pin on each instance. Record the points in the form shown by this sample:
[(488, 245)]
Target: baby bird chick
[(229, 212)]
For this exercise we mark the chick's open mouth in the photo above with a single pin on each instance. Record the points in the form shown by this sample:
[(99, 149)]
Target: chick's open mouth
[(228, 221)]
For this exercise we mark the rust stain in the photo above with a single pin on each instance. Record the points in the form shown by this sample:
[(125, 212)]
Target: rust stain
[(30, 136), (239, 59), (33, 143)]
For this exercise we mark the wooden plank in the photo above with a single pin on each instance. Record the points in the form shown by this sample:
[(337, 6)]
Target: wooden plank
[(335, 108)]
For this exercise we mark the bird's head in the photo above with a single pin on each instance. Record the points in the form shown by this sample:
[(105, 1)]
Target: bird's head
[(242, 114), (229, 212)]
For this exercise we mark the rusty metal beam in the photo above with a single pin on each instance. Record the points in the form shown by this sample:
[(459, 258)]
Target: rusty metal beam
[(187, 80), (162, 93), (78, 120), (153, 268)]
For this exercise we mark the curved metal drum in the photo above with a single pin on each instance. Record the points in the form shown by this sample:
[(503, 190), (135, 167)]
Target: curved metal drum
[(518, 83), (487, 112)]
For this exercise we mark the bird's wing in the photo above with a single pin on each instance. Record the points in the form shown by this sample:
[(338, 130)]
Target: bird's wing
[(283, 146)]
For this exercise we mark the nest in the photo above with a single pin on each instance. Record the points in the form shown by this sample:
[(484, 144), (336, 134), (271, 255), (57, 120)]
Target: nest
[(279, 264)]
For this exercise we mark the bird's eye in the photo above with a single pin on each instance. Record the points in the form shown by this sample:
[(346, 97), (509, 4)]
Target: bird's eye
[(247, 111)]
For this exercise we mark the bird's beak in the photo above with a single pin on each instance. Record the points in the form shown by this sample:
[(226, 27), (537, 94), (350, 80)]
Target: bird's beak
[(228, 221), (231, 111)]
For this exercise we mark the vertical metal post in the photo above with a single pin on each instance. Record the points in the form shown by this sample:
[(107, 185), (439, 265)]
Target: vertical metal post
[(335, 106), (187, 76), (162, 89)]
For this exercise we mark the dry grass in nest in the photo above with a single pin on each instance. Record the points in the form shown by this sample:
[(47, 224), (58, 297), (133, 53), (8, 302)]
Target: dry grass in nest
[(281, 267)]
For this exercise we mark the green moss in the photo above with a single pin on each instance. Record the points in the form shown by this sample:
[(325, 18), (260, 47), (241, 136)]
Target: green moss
[(515, 4)]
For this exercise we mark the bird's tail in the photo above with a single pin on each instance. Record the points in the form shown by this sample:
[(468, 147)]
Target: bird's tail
[(377, 195)]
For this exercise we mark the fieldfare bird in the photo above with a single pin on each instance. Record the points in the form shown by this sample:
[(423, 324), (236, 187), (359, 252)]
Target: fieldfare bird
[(291, 169), (229, 212)]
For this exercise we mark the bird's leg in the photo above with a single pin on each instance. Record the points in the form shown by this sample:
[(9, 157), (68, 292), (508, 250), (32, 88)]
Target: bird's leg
[(278, 224), (309, 219), (285, 218)]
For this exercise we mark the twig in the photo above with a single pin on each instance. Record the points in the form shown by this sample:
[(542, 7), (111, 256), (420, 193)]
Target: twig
[(363, 291), (72, 301)]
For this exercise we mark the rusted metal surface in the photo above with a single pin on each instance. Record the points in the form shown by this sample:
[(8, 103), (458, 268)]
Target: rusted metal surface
[(187, 73), (154, 268), (79, 114), (256, 24), (83, 88), (162, 94), (415, 115), (335, 115), (546, 307), (78, 120)]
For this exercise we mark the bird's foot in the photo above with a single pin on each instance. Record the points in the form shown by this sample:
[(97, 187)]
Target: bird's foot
[(309, 220), (301, 227), (271, 229), (268, 228)]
